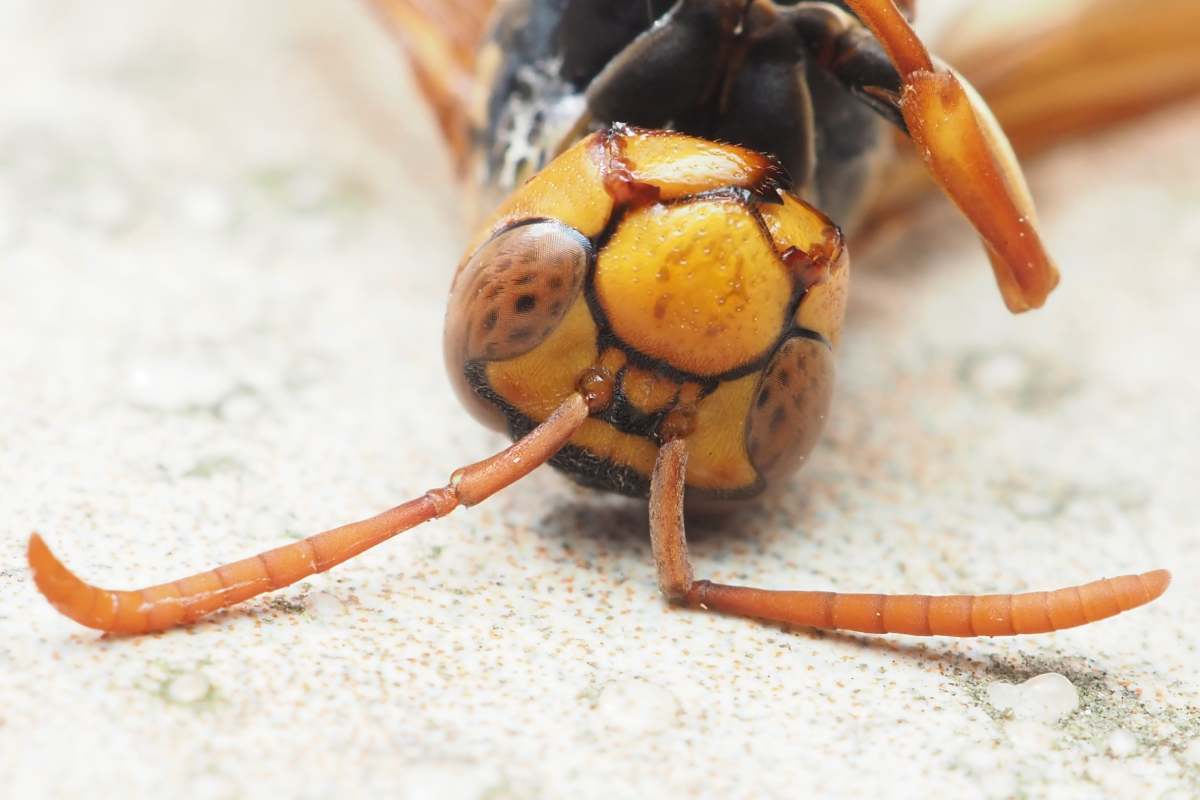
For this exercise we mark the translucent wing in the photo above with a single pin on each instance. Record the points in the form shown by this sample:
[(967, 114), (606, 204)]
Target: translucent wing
[(1056, 70), (442, 39)]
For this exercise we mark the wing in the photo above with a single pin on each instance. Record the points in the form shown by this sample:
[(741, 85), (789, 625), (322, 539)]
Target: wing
[(1072, 68), (441, 39)]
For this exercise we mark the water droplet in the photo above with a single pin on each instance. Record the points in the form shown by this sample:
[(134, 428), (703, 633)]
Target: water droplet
[(324, 606), (1043, 698), (190, 687)]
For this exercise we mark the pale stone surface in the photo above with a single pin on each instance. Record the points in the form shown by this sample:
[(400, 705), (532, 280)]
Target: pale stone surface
[(226, 234)]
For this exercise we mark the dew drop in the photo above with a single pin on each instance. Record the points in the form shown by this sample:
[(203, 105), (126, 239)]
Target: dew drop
[(1002, 695), (1043, 698), (190, 687), (324, 606)]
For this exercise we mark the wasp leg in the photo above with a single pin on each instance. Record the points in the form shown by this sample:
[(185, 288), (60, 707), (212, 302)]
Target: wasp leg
[(853, 143), (847, 50), (667, 539), (954, 131), (1056, 73), (180, 602), (917, 615)]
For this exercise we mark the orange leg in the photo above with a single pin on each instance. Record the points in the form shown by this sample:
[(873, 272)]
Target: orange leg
[(180, 602), (968, 155), (918, 615), (1051, 73)]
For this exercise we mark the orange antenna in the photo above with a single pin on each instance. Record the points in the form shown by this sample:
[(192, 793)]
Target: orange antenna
[(914, 614), (179, 602), (947, 615)]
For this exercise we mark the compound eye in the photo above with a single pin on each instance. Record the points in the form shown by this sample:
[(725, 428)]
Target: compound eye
[(514, 291), (789, 410)]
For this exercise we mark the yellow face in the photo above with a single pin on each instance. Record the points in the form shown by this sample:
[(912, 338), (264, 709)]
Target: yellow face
[(670, 274)]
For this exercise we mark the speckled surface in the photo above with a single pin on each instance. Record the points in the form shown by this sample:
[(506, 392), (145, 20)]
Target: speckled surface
[(225, 238)]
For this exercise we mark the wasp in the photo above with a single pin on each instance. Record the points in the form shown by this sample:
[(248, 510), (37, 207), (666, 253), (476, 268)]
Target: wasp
[(653, 300)]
